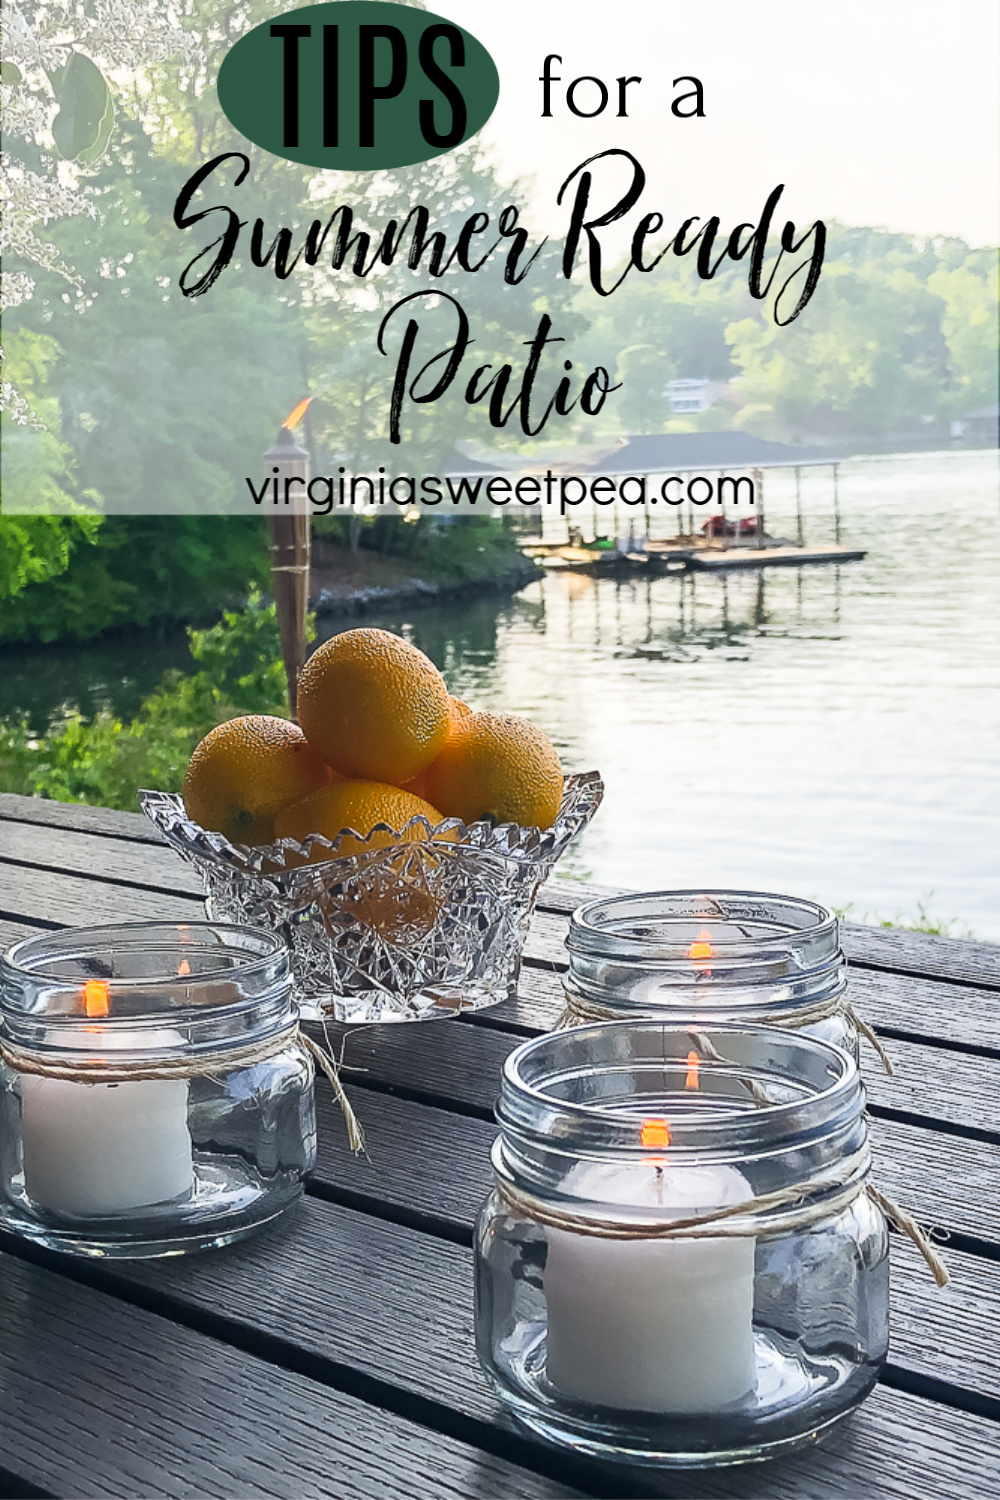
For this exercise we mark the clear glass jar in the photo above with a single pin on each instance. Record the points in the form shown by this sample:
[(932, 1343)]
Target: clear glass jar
[(718, 955), (605, 1318), (155, 1097)]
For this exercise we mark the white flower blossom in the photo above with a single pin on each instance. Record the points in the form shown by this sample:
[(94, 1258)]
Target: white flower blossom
[(120, 37), (15, 288)]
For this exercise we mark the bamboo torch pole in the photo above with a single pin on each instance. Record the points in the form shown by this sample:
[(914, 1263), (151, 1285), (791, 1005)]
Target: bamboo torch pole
[(288, 526)]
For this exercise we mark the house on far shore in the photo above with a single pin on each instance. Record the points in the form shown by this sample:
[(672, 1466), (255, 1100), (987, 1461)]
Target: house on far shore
[(978, 429), (690, 396)]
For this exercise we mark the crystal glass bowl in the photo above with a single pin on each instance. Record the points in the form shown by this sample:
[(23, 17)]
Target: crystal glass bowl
[(407, 932)]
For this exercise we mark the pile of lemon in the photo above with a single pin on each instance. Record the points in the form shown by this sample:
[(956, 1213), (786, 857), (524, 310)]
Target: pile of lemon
[(379, 740)]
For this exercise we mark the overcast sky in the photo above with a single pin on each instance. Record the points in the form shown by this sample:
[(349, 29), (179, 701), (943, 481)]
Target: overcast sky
[(880, 112)]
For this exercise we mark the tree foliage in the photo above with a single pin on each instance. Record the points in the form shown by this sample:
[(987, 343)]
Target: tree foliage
[(901, 331), (136, 570), (107, 761), (149, 397)]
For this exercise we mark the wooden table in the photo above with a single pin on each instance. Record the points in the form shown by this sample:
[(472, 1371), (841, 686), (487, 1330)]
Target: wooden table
[(332, 1354)]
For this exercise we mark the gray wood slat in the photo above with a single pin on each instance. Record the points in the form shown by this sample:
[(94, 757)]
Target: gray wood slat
[(931, 1081), (889, 948), (955, 959), (943, 1178), (94, 855), (105, 1399), (47, 897), (928, 1008), (391, 1304), (78, 816)]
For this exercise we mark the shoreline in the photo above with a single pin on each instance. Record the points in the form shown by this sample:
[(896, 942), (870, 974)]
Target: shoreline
[(347, 602)]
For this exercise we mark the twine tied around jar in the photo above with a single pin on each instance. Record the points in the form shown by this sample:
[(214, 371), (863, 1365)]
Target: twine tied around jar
[(580, 1012), (730, 1221), (209, 1065)]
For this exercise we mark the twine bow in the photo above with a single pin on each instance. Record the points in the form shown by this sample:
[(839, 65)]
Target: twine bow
[(735, 1219), (580, 1012)]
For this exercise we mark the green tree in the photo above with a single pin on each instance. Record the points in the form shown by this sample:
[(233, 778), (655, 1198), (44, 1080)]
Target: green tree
[(970, 293), (870, 356), (39, 472), (106, 762), (139, 570)]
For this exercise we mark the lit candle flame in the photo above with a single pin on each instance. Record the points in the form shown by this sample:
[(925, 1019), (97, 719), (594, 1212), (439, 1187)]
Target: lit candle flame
[(702, 945), (296, 414), (655, 1133), (96, 998), (694, 1063)]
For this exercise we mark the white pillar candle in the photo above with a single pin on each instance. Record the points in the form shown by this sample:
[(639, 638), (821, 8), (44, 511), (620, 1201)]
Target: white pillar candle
[(658, 1325), (106, 1148)]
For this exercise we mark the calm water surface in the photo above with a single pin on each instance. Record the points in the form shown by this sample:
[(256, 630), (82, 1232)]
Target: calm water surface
[(828, 732), (832, 732)]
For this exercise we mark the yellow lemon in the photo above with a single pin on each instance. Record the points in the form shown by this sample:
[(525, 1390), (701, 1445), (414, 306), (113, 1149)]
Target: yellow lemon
[(373, 706), (245, 771), (358, 805), (496, 766)]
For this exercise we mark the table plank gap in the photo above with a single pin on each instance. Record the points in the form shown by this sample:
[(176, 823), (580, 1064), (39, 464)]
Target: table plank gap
[(78, 817), (928, 1122), (14, 1487), (930, 1388), (364, 1332), (102, 1397)]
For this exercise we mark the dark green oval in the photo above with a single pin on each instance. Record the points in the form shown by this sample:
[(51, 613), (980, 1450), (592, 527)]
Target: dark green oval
[(253, 74)]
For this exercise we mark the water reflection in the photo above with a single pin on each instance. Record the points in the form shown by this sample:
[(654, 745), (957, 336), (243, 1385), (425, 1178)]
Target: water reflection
[(830, 731), (43, 683), (833, 732)]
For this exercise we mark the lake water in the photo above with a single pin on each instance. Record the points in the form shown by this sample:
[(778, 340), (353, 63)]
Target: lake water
[(832, 732)]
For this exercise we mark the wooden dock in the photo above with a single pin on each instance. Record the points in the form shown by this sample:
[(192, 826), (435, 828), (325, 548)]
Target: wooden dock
[(685, 553), (719, 559)]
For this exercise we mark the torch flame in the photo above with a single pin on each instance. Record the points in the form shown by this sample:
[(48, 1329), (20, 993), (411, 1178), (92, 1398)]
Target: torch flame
[(655, 1133), (95, 998), (296, 414), (702, 945), (694, 1063)]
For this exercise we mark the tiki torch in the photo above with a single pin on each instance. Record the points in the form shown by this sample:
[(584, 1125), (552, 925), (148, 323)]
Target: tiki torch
[(288, 525)]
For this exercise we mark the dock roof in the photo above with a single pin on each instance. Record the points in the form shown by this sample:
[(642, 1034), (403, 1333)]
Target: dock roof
[(656, 452)]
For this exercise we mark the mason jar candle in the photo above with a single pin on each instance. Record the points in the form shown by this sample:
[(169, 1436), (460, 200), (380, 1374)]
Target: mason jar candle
[(718, 955), (154, 1091), (680, 1262)]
